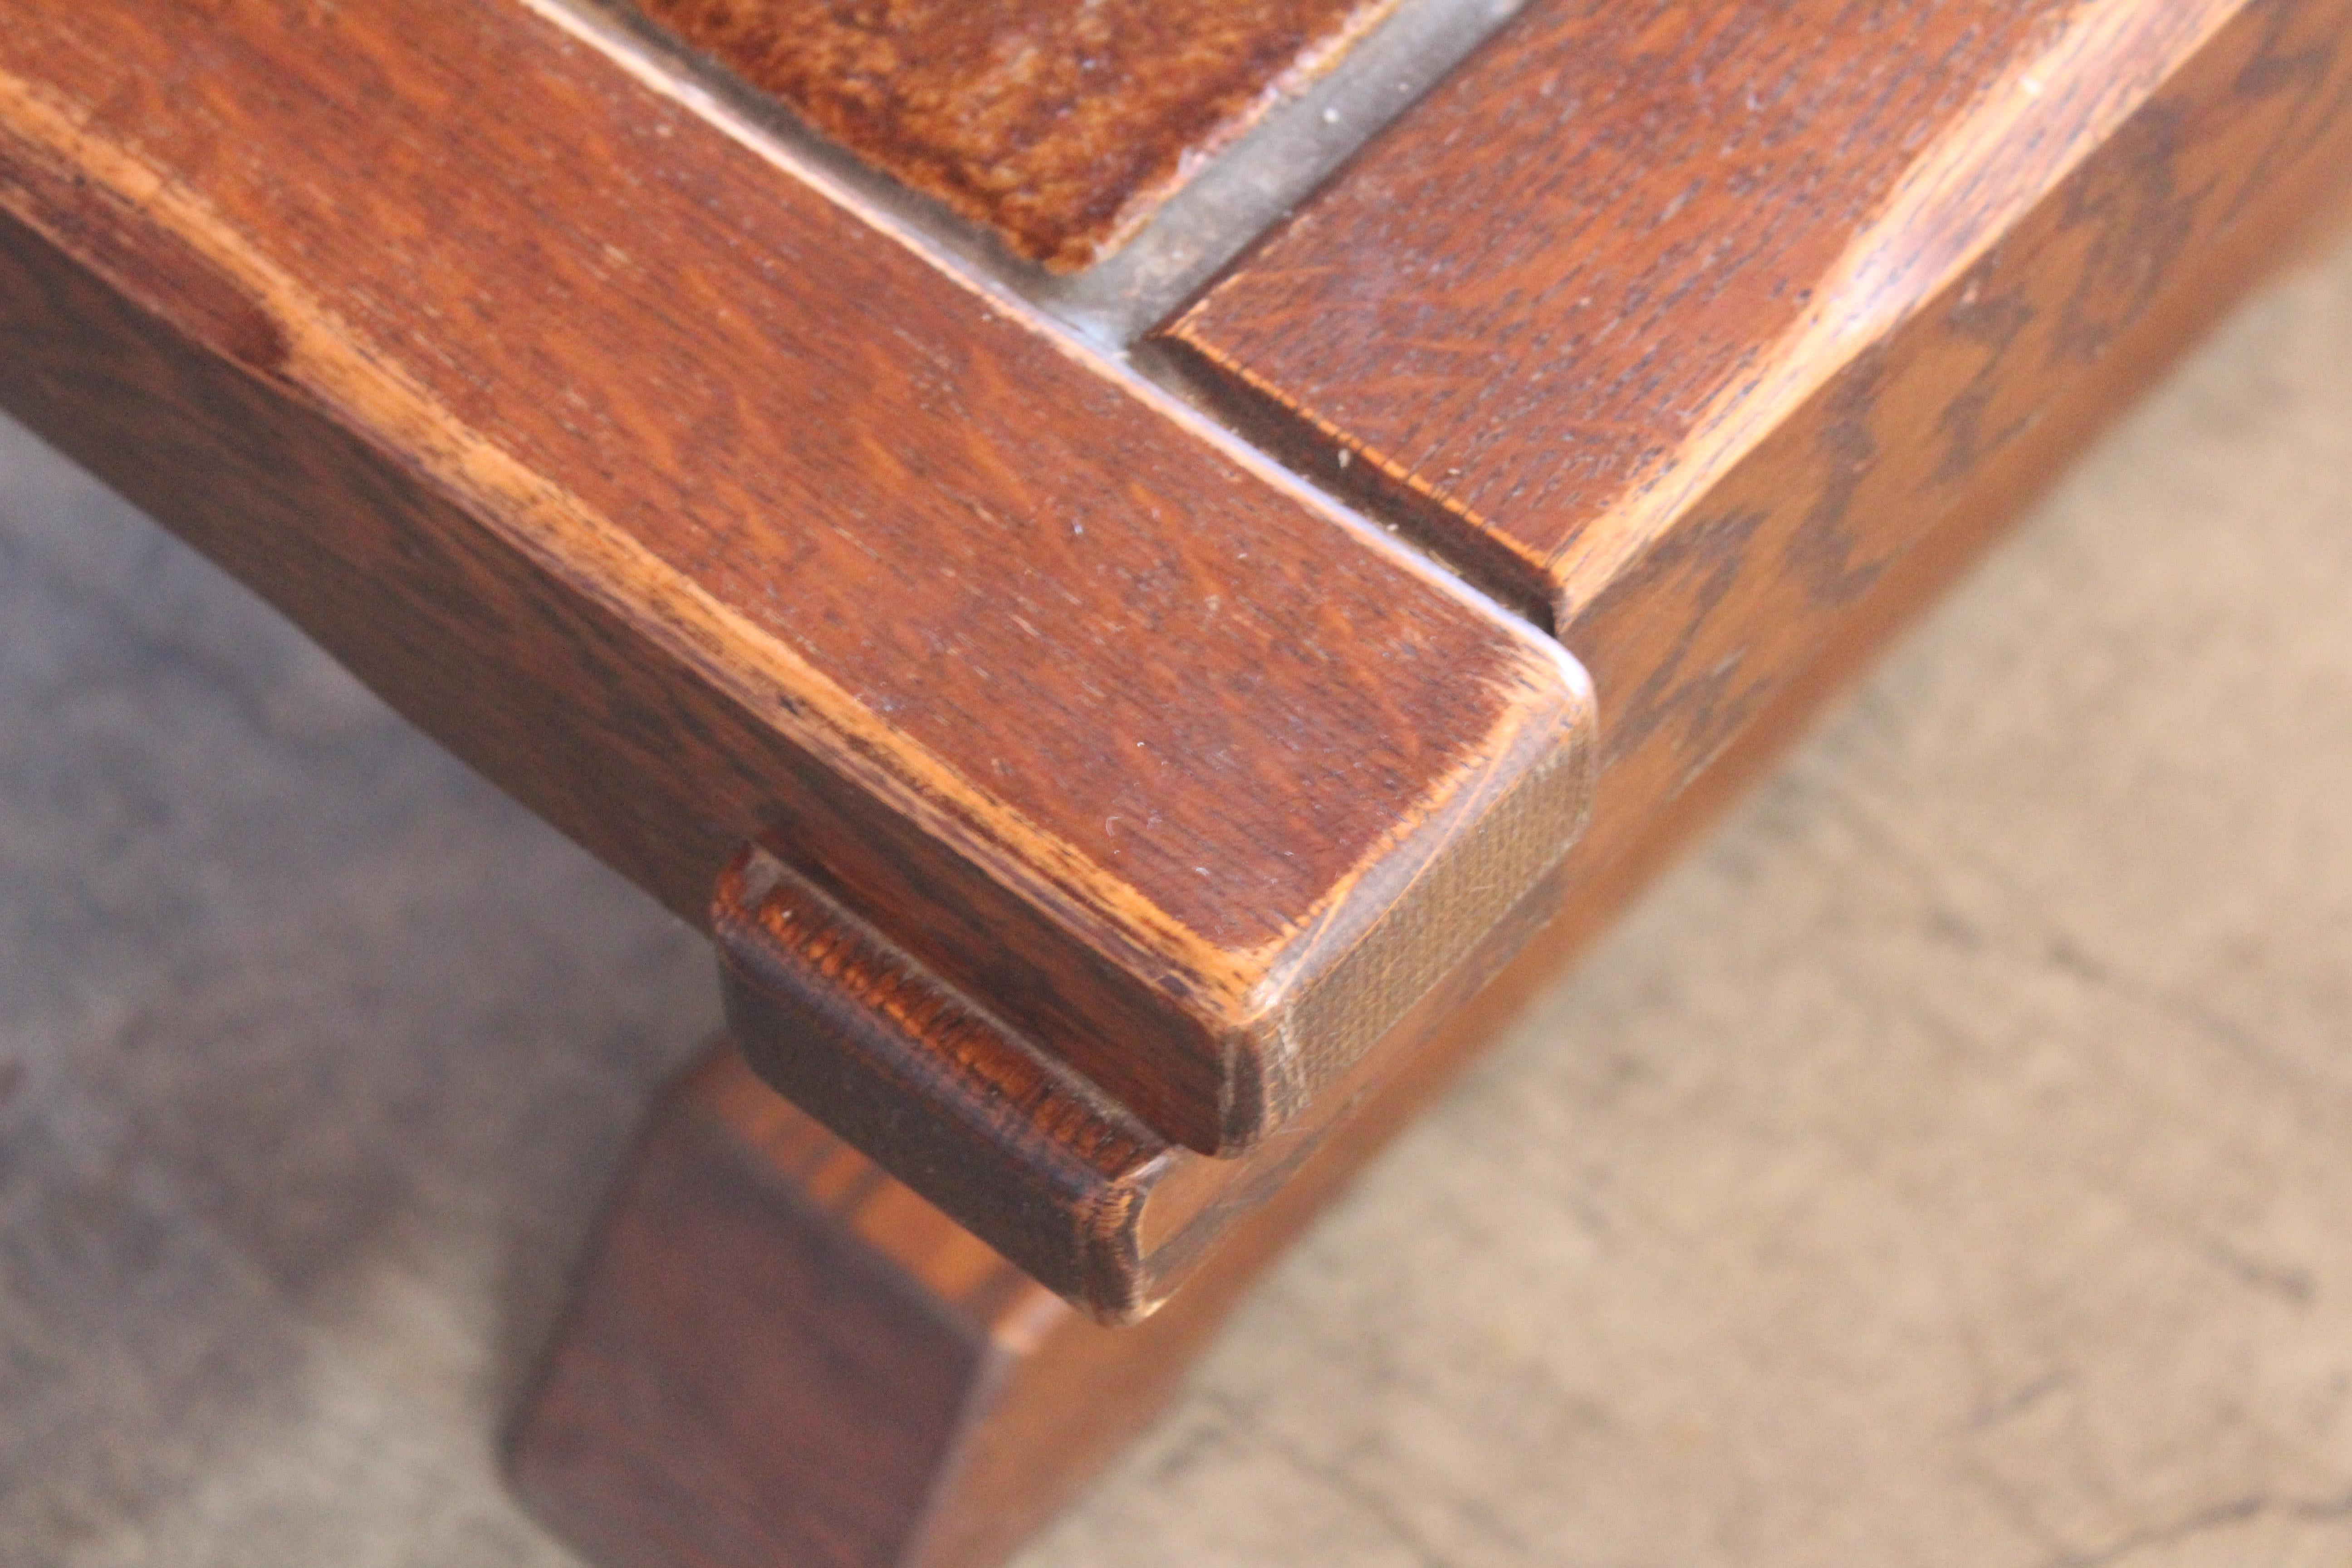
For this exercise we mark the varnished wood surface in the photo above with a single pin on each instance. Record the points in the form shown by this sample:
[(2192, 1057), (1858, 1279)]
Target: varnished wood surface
[(1062, 1391), (921, 1077), (1758, 615), (695, 509), (1061, 127), (775, 1353), (927, 1083), (1745, 297), (157, 335), (1526, 296)]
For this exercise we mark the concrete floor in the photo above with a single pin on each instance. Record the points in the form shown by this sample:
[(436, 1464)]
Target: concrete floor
[(1950, 1164)]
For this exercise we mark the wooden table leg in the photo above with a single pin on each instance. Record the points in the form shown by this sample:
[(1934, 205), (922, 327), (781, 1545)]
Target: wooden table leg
[(777, 1354)]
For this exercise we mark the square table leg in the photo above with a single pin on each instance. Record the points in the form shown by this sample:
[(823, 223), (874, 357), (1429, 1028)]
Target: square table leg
[(777, 1354)]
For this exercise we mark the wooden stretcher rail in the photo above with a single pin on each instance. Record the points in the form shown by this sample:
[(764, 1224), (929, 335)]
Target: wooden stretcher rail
[(1015, 1147)]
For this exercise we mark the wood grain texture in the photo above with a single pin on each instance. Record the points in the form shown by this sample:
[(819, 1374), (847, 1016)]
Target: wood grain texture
[(777, 1354), (695, 509), (923, 1079), (733, 1328), (1063, 1392), (1060, 126), (1141, 1219), (1762, 289)]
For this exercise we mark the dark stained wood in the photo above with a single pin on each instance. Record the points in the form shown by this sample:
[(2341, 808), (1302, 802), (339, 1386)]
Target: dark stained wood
[(1682, 323), (759, 1286), (1702, 628), (695, 509), (1062, 1391), (925, 1081), (921, 1077), (1727, 601), (1062, 126), (780, 1353), (1525, 297), (1173, 1182)]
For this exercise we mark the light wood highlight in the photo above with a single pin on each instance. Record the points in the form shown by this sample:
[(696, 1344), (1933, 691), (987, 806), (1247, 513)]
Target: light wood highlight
[(1731, 305), (695, 509)]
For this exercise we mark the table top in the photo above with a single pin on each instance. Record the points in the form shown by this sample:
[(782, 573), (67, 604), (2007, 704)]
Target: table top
[(1125, 710), (1185, 715)]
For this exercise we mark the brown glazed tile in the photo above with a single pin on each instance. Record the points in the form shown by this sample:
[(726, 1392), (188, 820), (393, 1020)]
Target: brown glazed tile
[(1059, 125)]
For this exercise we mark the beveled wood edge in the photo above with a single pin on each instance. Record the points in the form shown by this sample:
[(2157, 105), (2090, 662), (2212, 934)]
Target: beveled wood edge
[(157, 244), (2025, 132), (1991, 278), (2024, 203), (929, 1084), (925, 1081), (978, 1527), (1390, 491), (1452, 875)]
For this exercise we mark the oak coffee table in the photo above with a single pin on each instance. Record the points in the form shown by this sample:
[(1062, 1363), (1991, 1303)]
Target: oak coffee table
[(1147, 571)]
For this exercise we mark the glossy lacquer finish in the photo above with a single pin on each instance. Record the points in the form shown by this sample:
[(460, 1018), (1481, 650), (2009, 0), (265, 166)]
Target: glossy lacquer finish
[(697, 510), (1708, 623), (1729, 305), (701, 513)]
